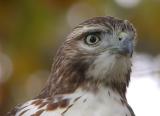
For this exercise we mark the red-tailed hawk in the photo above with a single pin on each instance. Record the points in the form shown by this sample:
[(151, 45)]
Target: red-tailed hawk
[(90, 73)]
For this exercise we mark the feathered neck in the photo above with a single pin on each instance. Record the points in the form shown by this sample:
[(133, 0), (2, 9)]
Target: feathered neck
[(68, 79), (69, 73)]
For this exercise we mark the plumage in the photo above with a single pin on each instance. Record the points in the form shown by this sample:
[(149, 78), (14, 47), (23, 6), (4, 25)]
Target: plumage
[(90, 73)]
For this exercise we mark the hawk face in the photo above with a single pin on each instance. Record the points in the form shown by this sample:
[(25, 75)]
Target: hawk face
[(97, 50)]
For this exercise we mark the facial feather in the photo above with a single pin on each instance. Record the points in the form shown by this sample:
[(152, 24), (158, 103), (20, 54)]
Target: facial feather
[(108, 68)]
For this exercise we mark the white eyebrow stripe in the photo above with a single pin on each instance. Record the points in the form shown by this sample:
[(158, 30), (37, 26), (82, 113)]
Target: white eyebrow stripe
[(79, 31)]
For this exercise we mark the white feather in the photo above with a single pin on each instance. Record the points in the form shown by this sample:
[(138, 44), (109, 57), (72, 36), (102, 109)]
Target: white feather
[(100, 103), (110, 67)]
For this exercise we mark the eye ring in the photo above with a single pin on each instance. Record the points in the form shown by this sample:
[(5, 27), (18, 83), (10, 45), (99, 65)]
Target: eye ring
[(92, 39)]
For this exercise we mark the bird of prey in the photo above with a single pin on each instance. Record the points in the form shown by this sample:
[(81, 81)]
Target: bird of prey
[(90, 73)]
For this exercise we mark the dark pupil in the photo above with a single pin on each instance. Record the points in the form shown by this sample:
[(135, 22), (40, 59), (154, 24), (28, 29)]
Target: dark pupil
[(93, 39)]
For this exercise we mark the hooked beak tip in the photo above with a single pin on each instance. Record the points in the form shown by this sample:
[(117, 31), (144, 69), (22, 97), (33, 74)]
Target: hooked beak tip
[(126, 48)]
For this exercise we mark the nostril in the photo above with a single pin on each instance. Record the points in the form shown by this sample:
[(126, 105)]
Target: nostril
[(120, 38)]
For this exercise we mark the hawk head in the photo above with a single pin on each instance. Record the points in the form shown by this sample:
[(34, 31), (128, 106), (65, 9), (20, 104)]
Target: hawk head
[(97, 52)]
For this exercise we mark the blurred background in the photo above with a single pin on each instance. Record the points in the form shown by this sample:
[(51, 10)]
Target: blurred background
[(32, 30)]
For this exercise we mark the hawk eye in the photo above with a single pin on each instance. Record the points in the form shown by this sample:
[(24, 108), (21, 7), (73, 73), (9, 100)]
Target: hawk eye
[(92, 39)]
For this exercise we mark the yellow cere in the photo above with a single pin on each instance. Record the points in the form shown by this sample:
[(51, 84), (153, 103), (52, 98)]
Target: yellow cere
[(122, 35)]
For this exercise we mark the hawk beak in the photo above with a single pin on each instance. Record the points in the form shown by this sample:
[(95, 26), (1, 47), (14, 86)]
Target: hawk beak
[(126, 47)]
